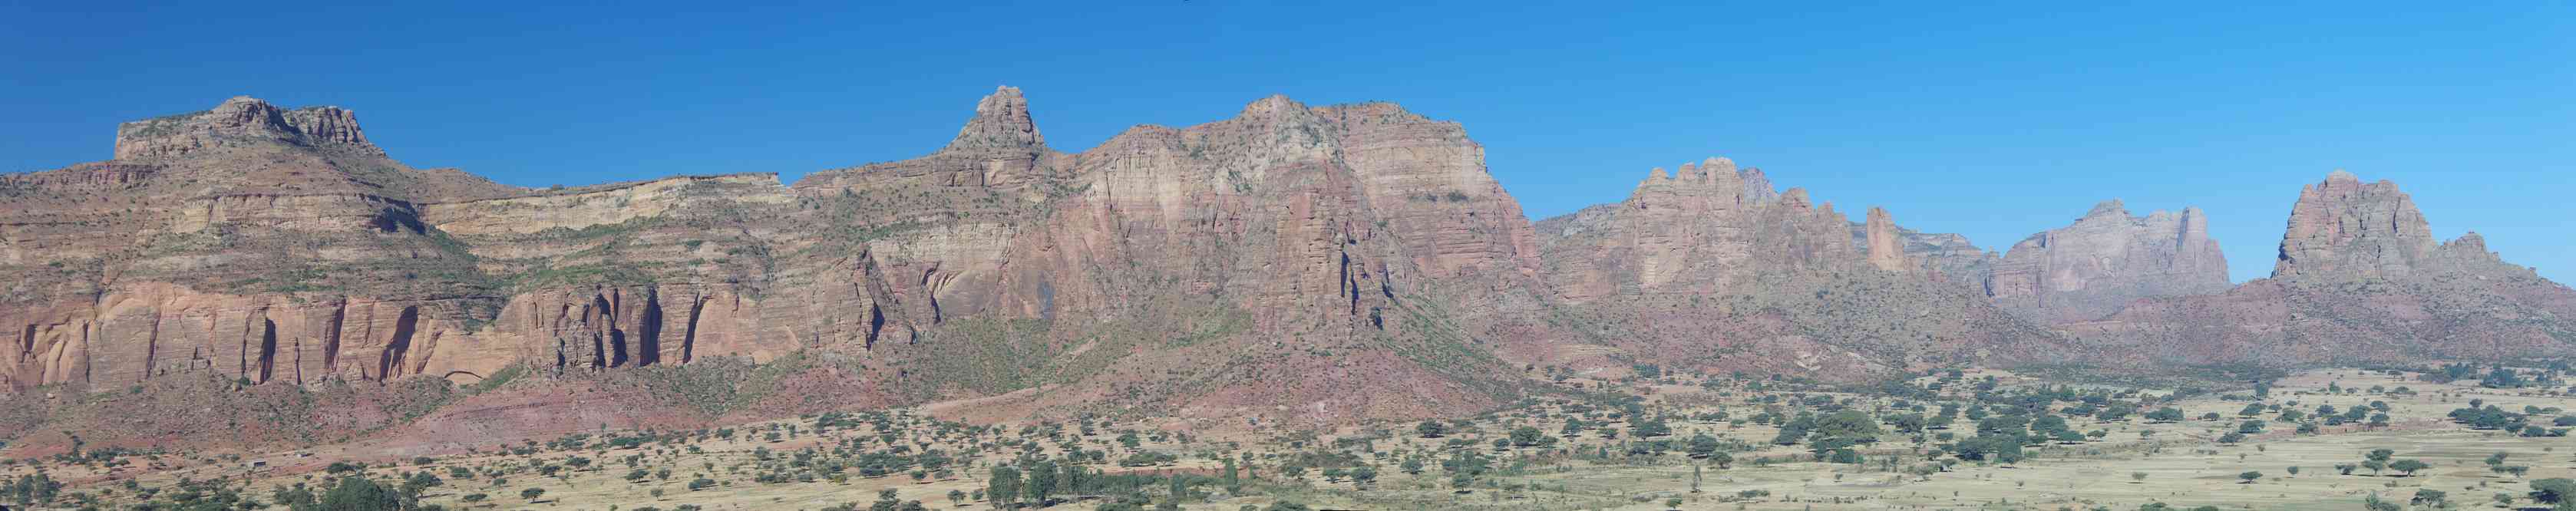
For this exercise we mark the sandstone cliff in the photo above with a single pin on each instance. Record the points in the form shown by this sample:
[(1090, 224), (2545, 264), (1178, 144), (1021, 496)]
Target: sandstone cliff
[(1708, 267), (2359, 278), (246, 240), (2345, 228), (1309, 264), (1348, 259), (2107, 259)]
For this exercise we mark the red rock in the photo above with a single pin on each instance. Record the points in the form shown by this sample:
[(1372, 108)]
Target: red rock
[(2106, 260), (1708, 268), (2359, 280)]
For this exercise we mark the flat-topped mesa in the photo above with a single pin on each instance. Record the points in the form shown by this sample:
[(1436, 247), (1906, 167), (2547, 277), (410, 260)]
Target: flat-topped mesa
[(1001, 122), (241, 120), (2342, 227)]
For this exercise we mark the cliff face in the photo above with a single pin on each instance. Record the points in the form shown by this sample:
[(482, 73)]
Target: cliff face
[(239, 123), (2345, 228), (2106, 260), (1297, 263), (1708, 267), (2359, 278), (1279, 235), (246, 240), (1343, 245)]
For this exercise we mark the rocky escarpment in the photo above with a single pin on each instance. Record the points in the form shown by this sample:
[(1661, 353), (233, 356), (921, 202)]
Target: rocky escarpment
[(1708, 267), (249, 241), (242, 121), (1292, 262), (1281, 233), (1362, 248), (2342, 228), (2359, 278), (1710, 229), (2106, 260)]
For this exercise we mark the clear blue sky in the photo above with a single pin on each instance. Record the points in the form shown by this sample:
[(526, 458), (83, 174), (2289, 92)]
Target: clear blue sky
[(1991, 122)]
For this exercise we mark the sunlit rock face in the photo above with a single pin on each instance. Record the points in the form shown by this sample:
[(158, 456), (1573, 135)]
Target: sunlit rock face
[(1709, 267), (1361, 247), (2106, 260), (2359, 279)]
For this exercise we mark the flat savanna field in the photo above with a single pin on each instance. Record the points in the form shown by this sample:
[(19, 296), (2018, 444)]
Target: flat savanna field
[(790, 464)]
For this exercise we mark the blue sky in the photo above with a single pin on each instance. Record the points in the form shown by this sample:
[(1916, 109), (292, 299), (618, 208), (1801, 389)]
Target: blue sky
[(1994, 122)]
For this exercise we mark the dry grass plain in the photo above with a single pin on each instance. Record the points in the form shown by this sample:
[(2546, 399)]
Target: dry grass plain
[(2135, 463)]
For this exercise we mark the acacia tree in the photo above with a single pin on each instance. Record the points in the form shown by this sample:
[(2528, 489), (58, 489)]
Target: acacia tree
[(1526, 436), (1702, 445), (2555, 490), (2428, 498), (358, 492), (1004, 487), (1040, 483)]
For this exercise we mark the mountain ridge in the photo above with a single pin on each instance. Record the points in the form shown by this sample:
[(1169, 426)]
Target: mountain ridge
[(1358, 256)]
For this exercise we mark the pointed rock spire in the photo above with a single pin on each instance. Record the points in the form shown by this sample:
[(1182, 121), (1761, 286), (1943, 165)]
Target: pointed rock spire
[(1886, 247), (1001, 122)]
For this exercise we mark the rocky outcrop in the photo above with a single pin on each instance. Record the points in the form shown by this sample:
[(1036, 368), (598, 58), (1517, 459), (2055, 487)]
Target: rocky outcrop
[(281, 248), (1711, 228), (2359, 279), (1948, 257), (1707, 267), (585, 207), (2342, 227), (1309, 264), (1886, 247), (240, 121), (2106, 260), (154, 330), (1001, 123)]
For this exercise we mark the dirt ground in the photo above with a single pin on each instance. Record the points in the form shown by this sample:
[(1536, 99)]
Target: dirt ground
[(2137, 462)]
